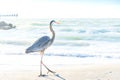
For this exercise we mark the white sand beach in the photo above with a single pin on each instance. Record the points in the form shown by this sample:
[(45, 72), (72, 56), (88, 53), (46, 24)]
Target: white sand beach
[(76, 72), (26, 67)]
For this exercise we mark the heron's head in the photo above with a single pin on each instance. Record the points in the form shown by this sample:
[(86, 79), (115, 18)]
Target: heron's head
[(54, 22)]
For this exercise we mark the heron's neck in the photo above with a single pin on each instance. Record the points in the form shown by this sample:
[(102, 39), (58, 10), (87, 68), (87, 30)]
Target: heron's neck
[(53, 33)]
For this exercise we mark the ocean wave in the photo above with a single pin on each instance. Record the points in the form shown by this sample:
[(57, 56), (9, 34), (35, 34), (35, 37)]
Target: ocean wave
[(74, 37), (71, 55)]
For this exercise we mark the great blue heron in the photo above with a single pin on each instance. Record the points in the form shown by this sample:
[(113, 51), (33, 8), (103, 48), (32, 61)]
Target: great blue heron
[(41, 45)]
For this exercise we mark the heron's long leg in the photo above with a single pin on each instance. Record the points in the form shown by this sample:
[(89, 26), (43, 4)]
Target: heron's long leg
[(41, 65), (48, 69)]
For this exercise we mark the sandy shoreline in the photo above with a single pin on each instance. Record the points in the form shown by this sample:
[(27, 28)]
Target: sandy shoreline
[(26, 67), (73, 72)]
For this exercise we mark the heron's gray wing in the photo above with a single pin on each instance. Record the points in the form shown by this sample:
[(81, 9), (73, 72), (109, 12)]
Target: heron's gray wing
[(41, 44)]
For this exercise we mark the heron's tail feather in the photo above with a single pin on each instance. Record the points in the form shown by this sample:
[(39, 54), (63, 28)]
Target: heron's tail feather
[(29, 50), (32, 49)]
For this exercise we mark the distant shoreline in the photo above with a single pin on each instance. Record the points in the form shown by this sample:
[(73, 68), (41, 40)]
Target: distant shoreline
[(8, 15)]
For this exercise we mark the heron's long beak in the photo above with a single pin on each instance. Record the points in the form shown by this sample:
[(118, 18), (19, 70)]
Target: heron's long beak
[(57, 22)]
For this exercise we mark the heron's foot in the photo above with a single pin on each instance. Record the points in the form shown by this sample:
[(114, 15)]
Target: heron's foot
[(57, 75), (42, 75)]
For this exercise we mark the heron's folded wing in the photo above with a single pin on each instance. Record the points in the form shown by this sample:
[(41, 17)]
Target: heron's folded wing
[(40, 44)]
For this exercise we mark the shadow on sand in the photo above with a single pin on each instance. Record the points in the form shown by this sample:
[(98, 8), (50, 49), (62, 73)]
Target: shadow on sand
[(53, 77)]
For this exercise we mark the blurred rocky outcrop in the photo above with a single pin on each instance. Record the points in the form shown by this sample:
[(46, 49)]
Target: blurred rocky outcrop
[(6, 26)]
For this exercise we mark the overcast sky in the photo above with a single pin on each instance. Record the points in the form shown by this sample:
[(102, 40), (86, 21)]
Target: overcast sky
[(62, 8)]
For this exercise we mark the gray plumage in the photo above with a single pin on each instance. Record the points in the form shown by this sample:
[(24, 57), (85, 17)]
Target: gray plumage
[(41, 44)]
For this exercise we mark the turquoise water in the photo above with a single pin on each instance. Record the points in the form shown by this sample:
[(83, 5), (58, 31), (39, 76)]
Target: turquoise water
[(74, 37)]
